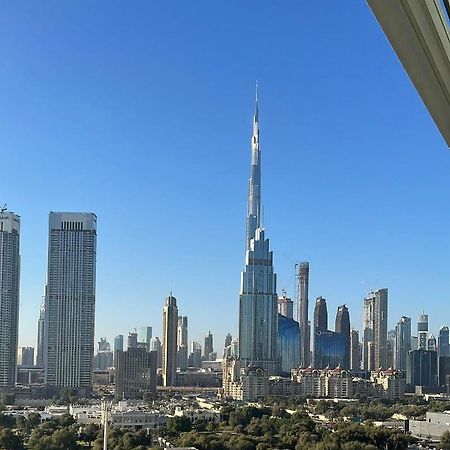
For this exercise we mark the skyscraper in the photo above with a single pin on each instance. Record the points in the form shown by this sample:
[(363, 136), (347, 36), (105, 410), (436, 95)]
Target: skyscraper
[(320, 325), (402, 343), (422, 331), (285, 306), (342, 327), (169, 344), (422, 369), (9, 296), (155, 346), (375, 330), (26, 356), (432, 344), (182, 342), (70, 300), (302, 313), (355, 351), (144, 336), (209, 346), (258, 296), (118, 343), (288, 344), (443, 342), (41, 333)]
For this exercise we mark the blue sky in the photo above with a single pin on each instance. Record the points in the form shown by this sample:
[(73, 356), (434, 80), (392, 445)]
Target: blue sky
[(141, 112)]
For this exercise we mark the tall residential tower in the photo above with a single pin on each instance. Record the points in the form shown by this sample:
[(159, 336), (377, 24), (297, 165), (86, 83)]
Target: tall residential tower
[(9, 296), (70, 300)]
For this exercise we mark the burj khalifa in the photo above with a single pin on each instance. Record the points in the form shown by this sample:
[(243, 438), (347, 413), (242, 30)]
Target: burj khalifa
[(258, 296)]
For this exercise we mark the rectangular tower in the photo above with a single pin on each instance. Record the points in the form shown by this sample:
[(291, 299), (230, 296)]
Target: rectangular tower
[(70, 300), (302, 313), (375, 330), (169, 345), (9, 296)]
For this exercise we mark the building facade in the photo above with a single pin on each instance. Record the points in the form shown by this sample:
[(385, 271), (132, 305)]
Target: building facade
[(355, 351), (135, 373), (422, 331), (9, 296), (422, 369), (70, 301)]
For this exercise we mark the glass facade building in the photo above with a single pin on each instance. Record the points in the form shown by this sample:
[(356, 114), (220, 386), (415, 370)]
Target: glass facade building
[(329, 349), (422, 368), (288, 344)]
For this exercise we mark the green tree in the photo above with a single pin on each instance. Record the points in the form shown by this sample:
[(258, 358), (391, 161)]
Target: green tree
[(9, 440), (445, 441)]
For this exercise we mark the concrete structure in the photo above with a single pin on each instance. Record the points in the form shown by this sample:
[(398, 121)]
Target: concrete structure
[(375, 330), (70, 301), (135, 373), (169, 344), (302, 313), (9, 296), (342, 327), (419, 32), (285, 306), (402, 343), (433, 427), (258, 296)]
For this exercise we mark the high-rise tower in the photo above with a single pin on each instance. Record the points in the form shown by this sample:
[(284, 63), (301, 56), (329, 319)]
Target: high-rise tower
[(402, 343), (169, 344), (443, 342), (422, 330), (9, 296), (375, 330), (258, 297), (302, 313), (70, 300), (342, 327)]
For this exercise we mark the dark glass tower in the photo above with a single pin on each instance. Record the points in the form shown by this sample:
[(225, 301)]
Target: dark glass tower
[(342, 327), (320, 325)]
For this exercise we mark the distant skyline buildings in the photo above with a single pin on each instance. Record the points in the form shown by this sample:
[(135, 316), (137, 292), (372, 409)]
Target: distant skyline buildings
[(70, 300), (9, 296), (402, 343), (422, 331), (342, 327)]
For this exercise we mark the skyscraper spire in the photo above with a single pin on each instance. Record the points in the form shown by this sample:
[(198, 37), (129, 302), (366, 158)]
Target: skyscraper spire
[(258, 297), (254, 183)]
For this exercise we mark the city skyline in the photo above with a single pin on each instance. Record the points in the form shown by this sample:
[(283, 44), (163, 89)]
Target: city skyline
[(321, 145)]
